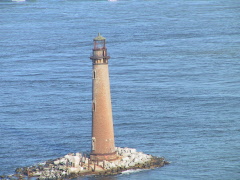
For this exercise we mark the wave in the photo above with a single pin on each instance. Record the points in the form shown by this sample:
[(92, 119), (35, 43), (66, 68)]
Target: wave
[(133, 171)]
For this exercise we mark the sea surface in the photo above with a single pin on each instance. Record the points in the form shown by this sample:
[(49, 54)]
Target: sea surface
[(175, 82)]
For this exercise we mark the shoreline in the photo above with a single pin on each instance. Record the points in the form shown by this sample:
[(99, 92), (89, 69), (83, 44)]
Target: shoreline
[(74, 165)]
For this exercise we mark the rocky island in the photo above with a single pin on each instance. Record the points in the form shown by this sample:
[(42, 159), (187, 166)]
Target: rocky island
[(74, 165)]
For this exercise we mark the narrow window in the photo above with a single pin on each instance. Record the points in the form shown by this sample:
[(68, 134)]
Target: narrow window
[(94, 74), (93, 106), (93, 143)]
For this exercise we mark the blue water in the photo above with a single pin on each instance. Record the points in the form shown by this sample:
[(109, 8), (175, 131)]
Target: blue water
[(175, 82)]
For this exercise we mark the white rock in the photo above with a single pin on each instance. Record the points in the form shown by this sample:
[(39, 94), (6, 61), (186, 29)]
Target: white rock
[(133, 150), (79, 154), (83, 159), (125, 158), (73, 170), (131, 164), (116, 163), (112, 165), (71, 159), (76, 160), (118, 149), (56, 162), (63, 160), (136, 160), (100, 164), (126, 154), (124, 164), (67, 156), (132, 157)]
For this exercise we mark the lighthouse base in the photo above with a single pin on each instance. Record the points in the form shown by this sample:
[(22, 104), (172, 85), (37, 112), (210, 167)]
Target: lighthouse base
[(107, 156), (77, 164)]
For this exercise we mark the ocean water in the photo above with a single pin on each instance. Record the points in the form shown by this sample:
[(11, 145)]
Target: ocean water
[(175, 82)]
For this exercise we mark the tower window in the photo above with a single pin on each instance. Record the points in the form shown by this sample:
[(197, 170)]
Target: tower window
[(93, 143), (93, 106), (94, 74)]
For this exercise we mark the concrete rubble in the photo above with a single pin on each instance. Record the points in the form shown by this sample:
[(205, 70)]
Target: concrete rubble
[(76, 164)]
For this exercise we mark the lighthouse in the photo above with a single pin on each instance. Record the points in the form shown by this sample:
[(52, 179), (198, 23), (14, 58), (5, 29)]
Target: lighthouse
[(103, 145)]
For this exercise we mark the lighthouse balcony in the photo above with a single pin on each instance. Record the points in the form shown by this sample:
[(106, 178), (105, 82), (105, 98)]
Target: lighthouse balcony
[(95, 57)]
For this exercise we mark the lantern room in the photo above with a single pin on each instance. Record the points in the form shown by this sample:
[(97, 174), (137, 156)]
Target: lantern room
[(99, 42), (99, 54)]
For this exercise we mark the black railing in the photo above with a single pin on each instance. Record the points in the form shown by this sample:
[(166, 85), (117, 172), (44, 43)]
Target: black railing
[(95, 57)]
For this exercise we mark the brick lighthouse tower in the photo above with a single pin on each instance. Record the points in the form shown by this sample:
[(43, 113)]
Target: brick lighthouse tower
[(103, 145)]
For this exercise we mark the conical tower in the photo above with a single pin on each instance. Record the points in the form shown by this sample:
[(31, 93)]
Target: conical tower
[(103, 145)]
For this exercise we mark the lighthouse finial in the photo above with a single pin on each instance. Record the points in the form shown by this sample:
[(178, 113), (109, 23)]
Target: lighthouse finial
[(99, 38)]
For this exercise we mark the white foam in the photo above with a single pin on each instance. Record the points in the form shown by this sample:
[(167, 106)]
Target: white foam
[(133, 171)]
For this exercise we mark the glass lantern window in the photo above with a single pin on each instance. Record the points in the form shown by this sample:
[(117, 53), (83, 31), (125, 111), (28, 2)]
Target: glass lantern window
[(99, 44)]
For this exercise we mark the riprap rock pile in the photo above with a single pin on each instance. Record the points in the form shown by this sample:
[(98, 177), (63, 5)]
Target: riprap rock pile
[(73, 165)]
